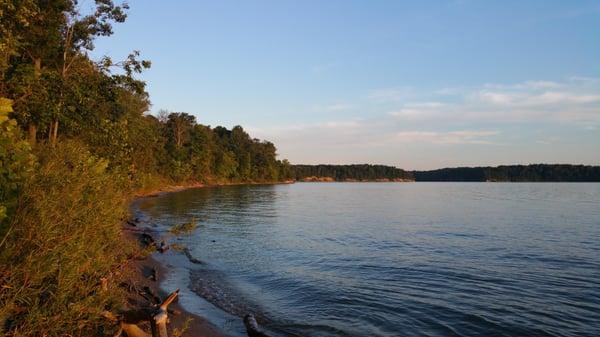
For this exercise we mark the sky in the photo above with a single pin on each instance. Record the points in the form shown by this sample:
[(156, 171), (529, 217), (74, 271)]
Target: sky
[(414, 84)]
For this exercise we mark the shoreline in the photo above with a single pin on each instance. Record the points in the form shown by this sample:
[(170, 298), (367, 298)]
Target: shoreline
[(179, 317), (192, 185), (139, 269), (197, 325)]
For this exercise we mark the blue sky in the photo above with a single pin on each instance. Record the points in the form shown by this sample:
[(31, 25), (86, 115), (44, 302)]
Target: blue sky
[(419, 84)]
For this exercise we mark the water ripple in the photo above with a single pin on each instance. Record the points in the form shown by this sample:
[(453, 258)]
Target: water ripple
[(398, 259)]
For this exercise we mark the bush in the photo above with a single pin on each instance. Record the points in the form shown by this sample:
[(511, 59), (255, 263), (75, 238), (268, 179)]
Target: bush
[(16, 163), (63, 237)]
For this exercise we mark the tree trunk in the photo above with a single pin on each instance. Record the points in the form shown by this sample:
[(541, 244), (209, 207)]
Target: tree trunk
[(32, 132), (31, 127), (37, 63), (178, 136), (54, 133)]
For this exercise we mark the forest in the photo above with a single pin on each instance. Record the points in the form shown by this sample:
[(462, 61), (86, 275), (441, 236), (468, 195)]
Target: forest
[(76, 142), (514, 173)]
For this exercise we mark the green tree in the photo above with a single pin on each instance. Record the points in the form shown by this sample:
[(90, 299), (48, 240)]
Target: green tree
[(47, 39), (179, 126)]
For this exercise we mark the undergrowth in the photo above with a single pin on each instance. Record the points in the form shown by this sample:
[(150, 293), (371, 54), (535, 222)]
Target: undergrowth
[(63, 237)]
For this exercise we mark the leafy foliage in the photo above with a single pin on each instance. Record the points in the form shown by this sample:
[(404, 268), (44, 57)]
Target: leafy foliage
[(16, 162)]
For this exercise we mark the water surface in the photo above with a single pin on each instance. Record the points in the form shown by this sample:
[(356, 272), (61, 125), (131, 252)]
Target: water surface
[(391, 259)]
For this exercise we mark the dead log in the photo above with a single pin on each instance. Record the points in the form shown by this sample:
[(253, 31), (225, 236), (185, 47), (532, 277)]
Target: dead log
[(252, 327), (158, 317), (158, 323), (131, 329)]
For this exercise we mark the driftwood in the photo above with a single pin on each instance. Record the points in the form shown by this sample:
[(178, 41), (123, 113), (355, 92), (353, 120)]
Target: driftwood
[(131, 329), (162, 247), (252, 327), (157, 316), (158, 323)]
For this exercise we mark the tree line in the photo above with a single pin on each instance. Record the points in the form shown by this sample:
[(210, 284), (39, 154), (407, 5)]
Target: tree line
[(504, 173), (357, 172), (514, 173)]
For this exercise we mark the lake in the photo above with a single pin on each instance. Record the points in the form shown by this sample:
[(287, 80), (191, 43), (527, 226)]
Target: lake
[(388, 259)]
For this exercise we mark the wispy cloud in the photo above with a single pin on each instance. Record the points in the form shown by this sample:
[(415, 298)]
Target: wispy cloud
[(576, 100), (416, 111), (458, 125), (447, 138), (525, 85)]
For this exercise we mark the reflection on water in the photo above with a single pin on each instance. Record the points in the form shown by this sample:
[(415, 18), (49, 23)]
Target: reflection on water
[(421, 259)]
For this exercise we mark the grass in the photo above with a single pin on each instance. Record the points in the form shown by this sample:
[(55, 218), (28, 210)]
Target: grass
[(186, 326), (184, 228)]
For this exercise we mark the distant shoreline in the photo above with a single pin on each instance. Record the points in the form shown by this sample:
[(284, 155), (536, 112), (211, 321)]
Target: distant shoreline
[(503, 173), (192, 185)]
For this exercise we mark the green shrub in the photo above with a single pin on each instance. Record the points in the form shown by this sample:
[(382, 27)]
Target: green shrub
[(64, 236), (16, 162)]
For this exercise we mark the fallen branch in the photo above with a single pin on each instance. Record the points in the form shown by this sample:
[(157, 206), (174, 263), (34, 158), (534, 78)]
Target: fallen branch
[(159, 320), (157, 316)]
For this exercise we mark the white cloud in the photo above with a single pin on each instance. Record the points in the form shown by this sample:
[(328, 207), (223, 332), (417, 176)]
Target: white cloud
[(525, 85), (455, 126), (528, 99), (416, 111), (447, 138), (575, 100)]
